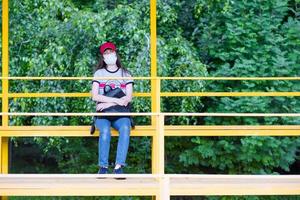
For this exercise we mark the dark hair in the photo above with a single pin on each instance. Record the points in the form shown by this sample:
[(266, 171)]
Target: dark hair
[(101, 64)]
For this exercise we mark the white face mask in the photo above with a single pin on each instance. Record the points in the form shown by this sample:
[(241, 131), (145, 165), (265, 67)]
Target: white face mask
[(110, 59)]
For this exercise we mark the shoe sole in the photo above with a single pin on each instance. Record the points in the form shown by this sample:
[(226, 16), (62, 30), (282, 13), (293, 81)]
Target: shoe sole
[(109, 177), (120, 178)]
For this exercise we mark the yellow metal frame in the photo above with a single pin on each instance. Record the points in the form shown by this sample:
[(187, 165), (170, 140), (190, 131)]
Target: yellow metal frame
[(147, 184), (5, 63), (157, 130), (5, 60)]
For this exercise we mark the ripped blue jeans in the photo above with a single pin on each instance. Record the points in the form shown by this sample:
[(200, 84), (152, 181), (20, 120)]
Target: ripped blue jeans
[(123, 126)]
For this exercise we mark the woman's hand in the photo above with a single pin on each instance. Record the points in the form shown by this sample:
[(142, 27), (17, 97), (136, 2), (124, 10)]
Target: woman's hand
[(126, 99), (102, 106), (122, 101)]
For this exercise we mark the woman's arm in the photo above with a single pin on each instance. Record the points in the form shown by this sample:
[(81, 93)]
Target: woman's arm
[(102, 106), (104, 99), (129, 91), (101, 98), (129, 87)]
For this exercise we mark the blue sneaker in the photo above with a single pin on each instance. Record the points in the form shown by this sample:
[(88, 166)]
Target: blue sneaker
[(103, 170), (119, 171)]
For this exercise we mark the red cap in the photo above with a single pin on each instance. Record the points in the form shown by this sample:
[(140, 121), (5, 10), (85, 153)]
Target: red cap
[(107, 45)]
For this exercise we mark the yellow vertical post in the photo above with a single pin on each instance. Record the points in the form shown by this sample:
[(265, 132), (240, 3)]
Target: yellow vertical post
[(158, 147), (4, 155), (155, 107), (155, 90), (158, 159), (164, 193), (1, 153), (158, 120), (5, 62)]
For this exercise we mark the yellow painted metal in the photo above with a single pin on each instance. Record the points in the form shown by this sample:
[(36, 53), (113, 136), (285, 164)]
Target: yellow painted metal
[(5, 60), (157, 129), (235, 114), (4, 95), (167, 127), (4, 198), (164, 188), (158, 147), (62, 191), (83, 131), (231, 78), (154, 78), (159, 138), (228, 94), (77, 114), (157, 141), (153, 114), (161, 142), (153, 57), (4, 157), (155, 86), (67, 131), (77, 185), (32, 95), (163, 94), (233, 130), (231, 127), (141, 185), (203, 185), (1, 154), (64, 128), (72, 78)]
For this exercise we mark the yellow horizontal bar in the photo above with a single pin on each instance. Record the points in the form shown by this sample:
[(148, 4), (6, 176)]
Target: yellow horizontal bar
[(164, 94), (228, 94), (230, 78), (234, 114), (224, 133), (66, 131), (77, 185), (231, 127), (235, 185), (79, 114), (153, 114), (222, 177), (74, 78), (154, 78), (87, 176), (233, 130), (169, 130), (29, 95), (143, 185)]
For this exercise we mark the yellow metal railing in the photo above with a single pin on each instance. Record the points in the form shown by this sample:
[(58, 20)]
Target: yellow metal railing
[(5, 61), (157, 118)]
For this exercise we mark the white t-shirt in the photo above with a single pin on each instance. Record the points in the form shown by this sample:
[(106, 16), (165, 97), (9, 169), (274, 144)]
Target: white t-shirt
[(121, 83)]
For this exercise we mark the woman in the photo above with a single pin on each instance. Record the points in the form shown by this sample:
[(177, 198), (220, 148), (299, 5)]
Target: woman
[(110, 66)]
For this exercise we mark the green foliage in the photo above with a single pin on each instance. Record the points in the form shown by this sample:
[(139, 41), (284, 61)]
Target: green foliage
[(253, 38), (61, 39), (247, 155), (194, 38)]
